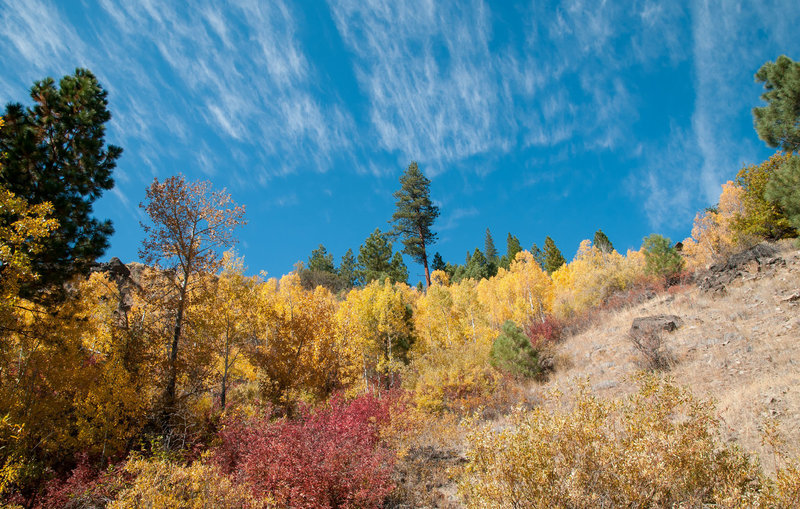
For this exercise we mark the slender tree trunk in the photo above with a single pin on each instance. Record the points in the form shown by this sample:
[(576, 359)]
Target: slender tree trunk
[(224, 390), (425, 261), (173, 354)]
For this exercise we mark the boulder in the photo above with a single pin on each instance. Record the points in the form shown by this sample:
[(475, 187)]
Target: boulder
[(655, 323)]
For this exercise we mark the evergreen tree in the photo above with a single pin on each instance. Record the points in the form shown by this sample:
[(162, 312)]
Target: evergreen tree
[(398, 272), (553, 259), (490, 250), (660, 257), (512, 352), (778, 123), (438, 263), (348, 269), (375, 257), (478, 266), (321, 261), (602, 243), (512, 248), (56, 152), (538, 255), (492, 260), (414, 216)]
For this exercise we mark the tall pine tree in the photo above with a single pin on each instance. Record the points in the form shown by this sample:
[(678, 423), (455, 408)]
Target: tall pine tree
[(414, 216), (56, 152), (488, 246)]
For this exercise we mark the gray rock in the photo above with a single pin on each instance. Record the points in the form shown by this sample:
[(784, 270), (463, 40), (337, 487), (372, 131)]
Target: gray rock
[(655, 323)]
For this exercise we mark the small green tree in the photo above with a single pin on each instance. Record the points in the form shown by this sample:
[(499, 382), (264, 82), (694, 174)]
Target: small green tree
[(778, 123), (553, 259), (321, 261), (414, 216), (512, 352), (602, 243), (376, 261), (438, 263), (348, 270), (398, 272), (661, 258)]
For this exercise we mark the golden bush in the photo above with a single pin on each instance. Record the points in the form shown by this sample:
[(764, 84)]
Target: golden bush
[(657, 448)]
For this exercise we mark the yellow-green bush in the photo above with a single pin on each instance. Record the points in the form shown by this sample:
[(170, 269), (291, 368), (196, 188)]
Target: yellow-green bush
[(160, 484), (457, 378), (657, 448)]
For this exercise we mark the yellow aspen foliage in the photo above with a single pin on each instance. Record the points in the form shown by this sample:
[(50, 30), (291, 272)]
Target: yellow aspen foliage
[(229, 322), (713, 234), (591, 277), (450, 316), (20, 236), (295, 351), (522, 293), (376, 331)]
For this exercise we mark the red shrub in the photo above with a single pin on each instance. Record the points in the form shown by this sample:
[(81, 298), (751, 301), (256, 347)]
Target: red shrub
[(330, 457), (544, 333), (86, 486)]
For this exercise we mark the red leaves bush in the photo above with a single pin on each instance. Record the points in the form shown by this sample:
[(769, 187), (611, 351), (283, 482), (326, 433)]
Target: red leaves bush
[(543, 333), (329, 457)]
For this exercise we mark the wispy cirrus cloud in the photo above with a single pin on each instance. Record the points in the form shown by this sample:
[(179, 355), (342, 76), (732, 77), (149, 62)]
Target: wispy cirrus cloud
[(428, 74), (729, 44)]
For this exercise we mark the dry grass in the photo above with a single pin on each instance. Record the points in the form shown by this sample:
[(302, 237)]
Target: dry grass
[(741, 349)]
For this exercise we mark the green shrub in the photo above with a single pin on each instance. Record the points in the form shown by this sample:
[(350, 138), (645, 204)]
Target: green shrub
[(512, 352), (660, 257)]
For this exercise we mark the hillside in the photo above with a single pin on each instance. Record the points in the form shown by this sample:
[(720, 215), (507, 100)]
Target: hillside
[(739, 346)]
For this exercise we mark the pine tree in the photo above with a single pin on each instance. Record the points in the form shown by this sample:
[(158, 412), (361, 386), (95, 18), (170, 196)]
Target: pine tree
[(538, 255), (489, 249), (414, 216), (553, 259), (398, 272), (778, 123), (602, 243), (56, 152), (512, 248), (321, 261), (478, 267), (437, 263), (348, 269), (660, 257), (375, 257)]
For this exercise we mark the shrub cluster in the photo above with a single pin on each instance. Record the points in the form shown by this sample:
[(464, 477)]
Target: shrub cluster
[(657, 448), (329, 457)]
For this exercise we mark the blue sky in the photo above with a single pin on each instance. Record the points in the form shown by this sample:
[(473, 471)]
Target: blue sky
[(535, 118)]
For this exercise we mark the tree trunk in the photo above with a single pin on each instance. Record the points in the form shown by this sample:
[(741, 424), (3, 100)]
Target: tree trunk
[(224, 390), (425, 261), (172, 375)]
